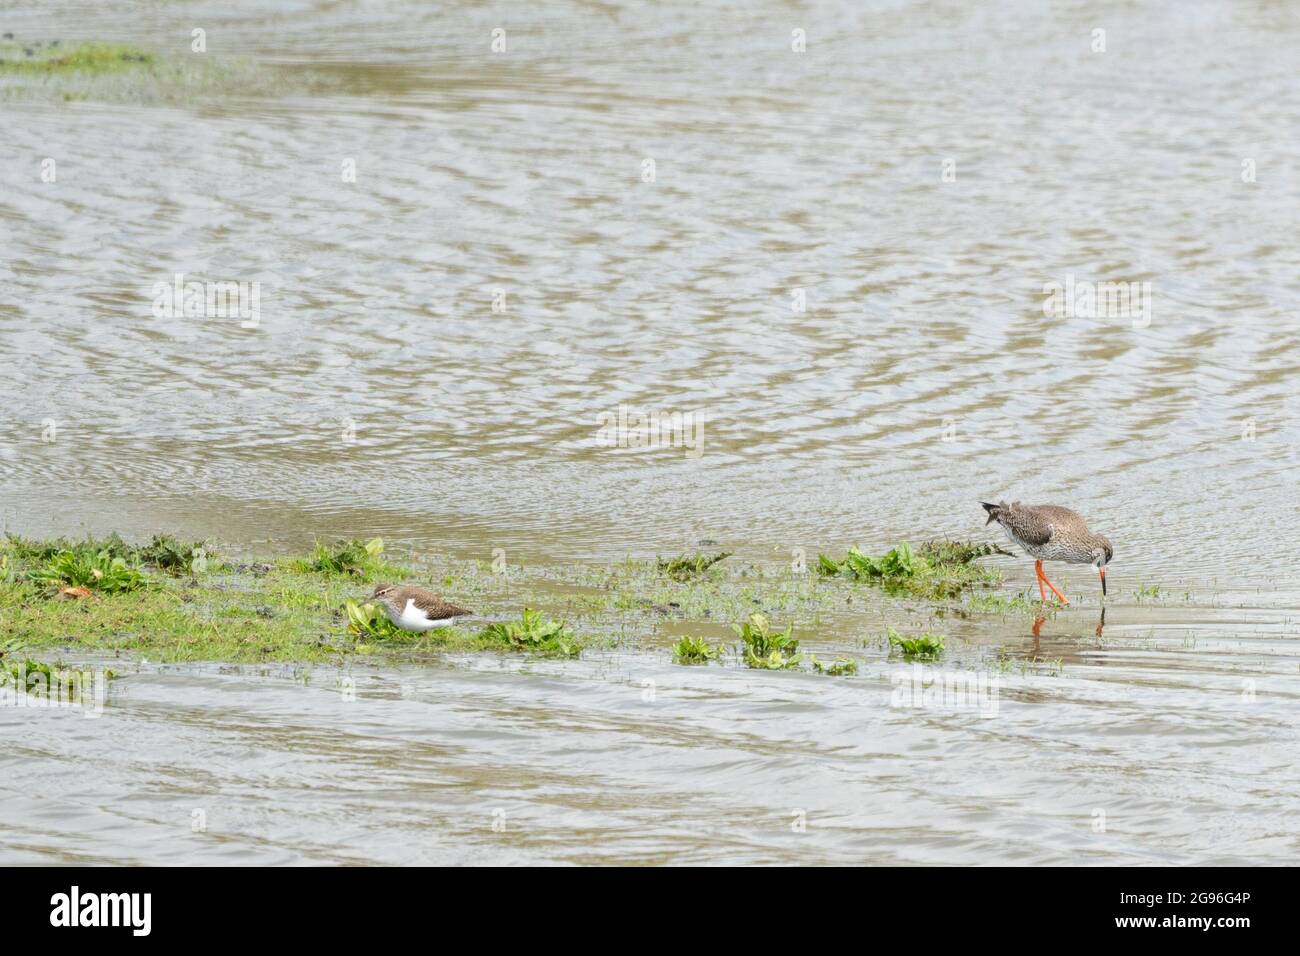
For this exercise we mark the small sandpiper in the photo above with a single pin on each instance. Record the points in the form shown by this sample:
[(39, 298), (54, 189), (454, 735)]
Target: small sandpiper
[(1052, 533), (415, 609)]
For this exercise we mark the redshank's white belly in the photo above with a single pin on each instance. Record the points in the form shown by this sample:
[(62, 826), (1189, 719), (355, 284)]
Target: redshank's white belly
[(1053, 550)]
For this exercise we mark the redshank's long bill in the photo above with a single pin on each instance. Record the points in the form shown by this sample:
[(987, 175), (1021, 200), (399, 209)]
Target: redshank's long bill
[(1052, 533)]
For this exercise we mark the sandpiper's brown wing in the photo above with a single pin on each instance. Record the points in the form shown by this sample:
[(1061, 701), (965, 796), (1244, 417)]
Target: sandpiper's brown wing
[(434, 607)]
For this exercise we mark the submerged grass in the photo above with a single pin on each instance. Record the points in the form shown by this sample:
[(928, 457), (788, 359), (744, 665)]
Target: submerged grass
[(47, 680), (56, 57), (1147, 592), (840, 667), (630, 588), (684, 567), (70, 70), (1000, 603), (924, 647), (171, 600)]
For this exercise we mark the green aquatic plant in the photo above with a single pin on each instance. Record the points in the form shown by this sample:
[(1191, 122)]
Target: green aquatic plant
[(1006, 663), (39, 678), (1147, 592), (350, 557), (32, 550), (534, 632), (925, 647), (765, 649), (840, 667), (695, 650), (935, 570), (900, 562), (69, 70), (96, 571), (166, 553), (57, 57), (684, 567), (369, 620), (999, 603)]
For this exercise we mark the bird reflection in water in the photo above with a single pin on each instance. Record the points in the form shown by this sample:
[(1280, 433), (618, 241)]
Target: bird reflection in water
[(1040, 620)]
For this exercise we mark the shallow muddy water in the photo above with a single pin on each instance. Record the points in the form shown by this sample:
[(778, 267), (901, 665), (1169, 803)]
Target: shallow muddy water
[(860, 343), (1144, 750)]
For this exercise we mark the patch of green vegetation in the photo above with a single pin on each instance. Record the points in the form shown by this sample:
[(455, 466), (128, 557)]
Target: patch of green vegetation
[(58, 57), (47, 680), (370, 621), (925, 647), (765, 649), (316, 608), (1030, 665), (684, 566), (31, 550), (938, 569), (535, 632), (174, 623), (898, 563), (69, 71), (840, 667), (167, 554), (163, 552), (304, 610), (999, 603), (695, 650), (93, 570), (1147, 592), (352, 557), (727, 592)]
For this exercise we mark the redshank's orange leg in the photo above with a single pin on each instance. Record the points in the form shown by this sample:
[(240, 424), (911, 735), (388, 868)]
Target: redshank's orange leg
[(1038, 573), (1048, 582)]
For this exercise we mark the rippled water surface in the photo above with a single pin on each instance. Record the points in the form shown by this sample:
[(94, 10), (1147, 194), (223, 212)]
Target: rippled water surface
[(862, 338)]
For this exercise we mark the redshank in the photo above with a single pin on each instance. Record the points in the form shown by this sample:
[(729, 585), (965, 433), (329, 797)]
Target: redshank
[(1052, 533), (415, 609)]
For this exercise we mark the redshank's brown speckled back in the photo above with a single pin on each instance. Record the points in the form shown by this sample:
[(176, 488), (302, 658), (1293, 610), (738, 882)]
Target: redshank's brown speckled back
[(1052, 533)]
